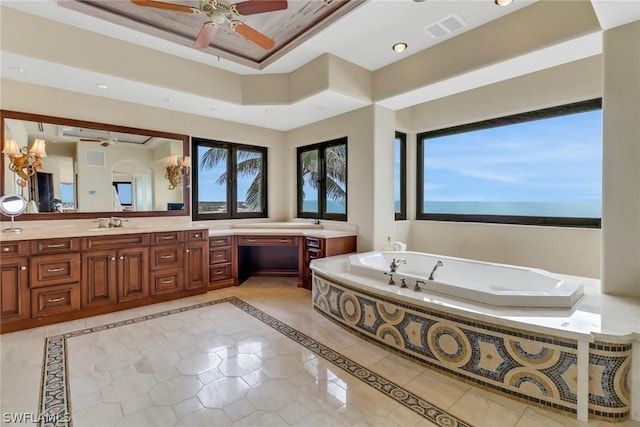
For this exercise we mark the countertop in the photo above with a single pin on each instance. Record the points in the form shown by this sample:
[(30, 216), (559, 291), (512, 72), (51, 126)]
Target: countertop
[(83, 228)]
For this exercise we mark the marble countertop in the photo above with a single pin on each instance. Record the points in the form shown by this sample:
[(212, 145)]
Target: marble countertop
[(595, 316), (82, 228)]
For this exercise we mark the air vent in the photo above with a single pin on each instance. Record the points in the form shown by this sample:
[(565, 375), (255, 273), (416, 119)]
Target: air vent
[(445, 26), (95, 158)]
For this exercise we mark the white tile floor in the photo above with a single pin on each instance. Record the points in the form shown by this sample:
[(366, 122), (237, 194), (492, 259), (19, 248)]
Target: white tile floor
[(219, 365)]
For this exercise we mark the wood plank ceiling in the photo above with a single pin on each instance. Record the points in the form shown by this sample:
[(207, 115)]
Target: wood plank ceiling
[(288, 28)]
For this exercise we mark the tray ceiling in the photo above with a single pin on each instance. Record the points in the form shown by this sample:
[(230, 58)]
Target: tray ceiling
[(288, 28)]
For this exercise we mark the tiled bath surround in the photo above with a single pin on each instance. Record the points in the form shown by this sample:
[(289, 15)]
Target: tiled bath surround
[(542, 369)]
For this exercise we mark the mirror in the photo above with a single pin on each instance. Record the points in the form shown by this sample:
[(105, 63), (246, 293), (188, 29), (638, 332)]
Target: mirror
[(91, 168), (12, 205)]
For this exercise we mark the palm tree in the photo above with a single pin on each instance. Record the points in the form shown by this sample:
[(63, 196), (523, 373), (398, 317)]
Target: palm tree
[(336, 167), (249, 164)]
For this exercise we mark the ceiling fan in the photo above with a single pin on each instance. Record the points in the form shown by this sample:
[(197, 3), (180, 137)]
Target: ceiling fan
[(221, 11), (105, 142)]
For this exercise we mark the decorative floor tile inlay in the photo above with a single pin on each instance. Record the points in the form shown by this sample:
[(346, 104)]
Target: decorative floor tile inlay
[(55, 405)]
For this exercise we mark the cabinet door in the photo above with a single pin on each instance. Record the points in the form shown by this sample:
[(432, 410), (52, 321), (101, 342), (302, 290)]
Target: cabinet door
[(14, 289), (99, 278), (196, 265), (133, 274)]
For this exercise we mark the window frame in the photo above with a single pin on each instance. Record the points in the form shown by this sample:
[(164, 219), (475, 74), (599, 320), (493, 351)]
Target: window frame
[(573, 108), (116, 185), (402, 214), (322, 193), (232, 196)]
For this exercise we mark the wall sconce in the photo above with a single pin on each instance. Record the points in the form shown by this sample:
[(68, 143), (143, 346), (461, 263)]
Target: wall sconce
[(176, 169), (24, 161)]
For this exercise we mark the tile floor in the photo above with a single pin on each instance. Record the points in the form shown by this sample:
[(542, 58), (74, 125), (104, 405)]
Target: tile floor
[(221, 366)]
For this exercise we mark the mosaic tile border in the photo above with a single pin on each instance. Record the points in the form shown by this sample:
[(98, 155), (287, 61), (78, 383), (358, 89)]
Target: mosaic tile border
[(460, 347), (55, 410)]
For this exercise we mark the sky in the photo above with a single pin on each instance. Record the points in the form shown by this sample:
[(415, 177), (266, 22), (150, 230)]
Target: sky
[(209, 191), (550, 160)]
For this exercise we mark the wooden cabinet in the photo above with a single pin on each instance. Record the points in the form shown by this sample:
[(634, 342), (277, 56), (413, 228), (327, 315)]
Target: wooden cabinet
[(114, 269), (221, 262), (261, 255), (14, 282), (316, 247), (54, 276), (179, 261)]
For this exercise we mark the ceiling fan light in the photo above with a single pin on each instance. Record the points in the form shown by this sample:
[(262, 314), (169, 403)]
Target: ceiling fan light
[(503, 2), (400, 47)]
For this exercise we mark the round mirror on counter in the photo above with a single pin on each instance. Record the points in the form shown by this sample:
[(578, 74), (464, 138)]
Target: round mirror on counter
[(12, 205)]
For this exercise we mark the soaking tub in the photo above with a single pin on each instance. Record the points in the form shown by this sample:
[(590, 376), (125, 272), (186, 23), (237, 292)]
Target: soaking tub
[(485, 282)]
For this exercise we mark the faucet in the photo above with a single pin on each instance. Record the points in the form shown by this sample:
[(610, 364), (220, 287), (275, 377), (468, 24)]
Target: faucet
[(391, 281), (438, 264), (393, 267), (403, 283), (417, 287)]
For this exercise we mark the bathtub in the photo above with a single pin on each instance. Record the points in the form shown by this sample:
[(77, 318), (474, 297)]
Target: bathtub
[(484, 282)]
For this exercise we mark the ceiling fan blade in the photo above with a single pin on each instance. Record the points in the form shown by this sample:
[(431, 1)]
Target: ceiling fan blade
[(252, 35), (166, 6), (251, 7), (206, 35)]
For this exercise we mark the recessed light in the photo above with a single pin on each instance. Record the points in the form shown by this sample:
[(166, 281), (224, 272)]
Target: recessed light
[(102, 86), (17, 69), (400, 47), (169, 100), (503, 2)]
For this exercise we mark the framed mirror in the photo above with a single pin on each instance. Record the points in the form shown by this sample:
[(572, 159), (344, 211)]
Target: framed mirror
[(68, 168)]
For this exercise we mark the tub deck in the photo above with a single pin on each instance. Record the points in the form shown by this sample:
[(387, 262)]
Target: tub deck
[(575, 360)]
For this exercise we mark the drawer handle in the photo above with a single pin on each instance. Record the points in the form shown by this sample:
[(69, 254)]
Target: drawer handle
[(187, 251), (285, 240), (121, 256), (55, 270), (55, 299), (252, 240), (219, 255), (196, 235), (166, 282), (166, 256), (23, 267), (219, 242), (5, 249), (113, 258), (165, 237), (217, 273), (59, 245)]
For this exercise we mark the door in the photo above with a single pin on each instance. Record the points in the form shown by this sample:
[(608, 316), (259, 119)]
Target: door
[(99, 278), (133, 274), (196, 265), (44, 189), (14, 289)]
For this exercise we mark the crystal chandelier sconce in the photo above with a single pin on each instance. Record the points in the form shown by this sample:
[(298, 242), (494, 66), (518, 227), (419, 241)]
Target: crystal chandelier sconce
[(24, 161), (176, 169)]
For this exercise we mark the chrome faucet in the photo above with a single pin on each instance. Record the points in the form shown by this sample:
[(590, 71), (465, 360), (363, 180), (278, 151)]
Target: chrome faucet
[(391, 281), (403, 283), (393, 267), (438, 264), (417, 287)]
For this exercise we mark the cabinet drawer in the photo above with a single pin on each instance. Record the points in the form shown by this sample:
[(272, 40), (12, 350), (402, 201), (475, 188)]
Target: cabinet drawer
[(114, 241), (313, 242), (167, 237), (219, 255), (314, 254), (49, 246), (219, 272), (55, 300), (14, 248), (169, 256), (47, 270), (197, 235), (267, 241), (219, 241), (165, 282)]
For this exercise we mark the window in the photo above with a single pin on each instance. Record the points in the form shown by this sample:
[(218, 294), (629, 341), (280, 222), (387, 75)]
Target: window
[(539, 168), (230, 180), (400, 176), (124, 191), (322, 180)]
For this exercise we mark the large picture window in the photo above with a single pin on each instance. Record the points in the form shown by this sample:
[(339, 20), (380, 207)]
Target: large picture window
[(322, 180), (229, 180), (541, 168), (400, 176)]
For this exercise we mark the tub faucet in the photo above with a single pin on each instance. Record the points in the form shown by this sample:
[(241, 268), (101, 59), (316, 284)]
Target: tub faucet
[(391, 281), (438, 264), (393, 267), (417, 287)]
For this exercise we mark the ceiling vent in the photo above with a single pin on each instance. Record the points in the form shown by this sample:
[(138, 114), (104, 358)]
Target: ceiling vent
[(445, 26), (95, 158)]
